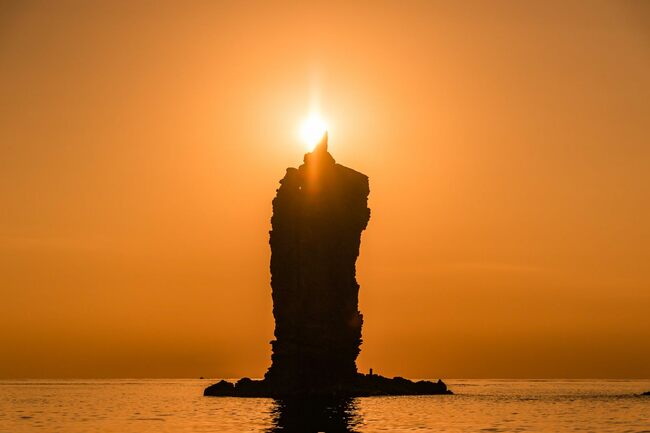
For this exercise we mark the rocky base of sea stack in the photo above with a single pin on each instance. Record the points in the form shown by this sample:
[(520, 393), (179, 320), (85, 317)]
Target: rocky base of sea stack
[(365, 385)]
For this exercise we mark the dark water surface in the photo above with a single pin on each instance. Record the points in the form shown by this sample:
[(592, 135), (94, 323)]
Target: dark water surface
[(130, 406)]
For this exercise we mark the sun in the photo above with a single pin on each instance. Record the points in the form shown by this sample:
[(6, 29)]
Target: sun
[(312, 130)]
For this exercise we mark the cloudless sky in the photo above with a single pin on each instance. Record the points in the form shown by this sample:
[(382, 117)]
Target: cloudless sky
[(507, 145)]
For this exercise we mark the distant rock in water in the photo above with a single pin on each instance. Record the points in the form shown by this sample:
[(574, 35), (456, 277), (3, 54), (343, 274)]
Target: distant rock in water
[(318, 216), (319, 212), (647, 393), (362, 385)]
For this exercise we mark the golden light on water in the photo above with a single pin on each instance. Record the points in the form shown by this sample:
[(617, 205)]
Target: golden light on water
[(312, 130)]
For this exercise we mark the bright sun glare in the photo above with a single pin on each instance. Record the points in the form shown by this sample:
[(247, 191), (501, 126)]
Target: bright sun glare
[(312, 130)]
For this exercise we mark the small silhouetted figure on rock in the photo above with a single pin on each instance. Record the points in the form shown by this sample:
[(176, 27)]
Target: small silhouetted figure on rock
[(319, 212)]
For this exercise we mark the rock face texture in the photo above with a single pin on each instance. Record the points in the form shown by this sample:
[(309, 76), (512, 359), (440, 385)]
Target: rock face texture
[(319, 212)]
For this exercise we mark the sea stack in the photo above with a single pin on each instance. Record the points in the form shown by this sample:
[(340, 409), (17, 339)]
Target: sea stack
[(319, 212)]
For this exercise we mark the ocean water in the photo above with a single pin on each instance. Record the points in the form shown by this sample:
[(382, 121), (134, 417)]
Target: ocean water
[(141, 406)]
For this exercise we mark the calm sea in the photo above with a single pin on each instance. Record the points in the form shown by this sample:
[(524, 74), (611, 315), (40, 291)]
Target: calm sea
[(130, 406)]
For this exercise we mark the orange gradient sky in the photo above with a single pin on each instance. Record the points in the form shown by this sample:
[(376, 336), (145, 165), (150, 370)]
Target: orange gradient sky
[(507, 145)]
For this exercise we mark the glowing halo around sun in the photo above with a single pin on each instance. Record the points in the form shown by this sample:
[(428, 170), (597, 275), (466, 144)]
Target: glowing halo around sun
[(312, 130)]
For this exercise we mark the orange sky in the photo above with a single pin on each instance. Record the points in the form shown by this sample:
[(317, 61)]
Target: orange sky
[(507, 145)]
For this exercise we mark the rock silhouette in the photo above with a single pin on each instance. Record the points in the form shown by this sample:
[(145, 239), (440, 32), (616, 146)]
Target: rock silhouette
[(318, 216), (319, 212)]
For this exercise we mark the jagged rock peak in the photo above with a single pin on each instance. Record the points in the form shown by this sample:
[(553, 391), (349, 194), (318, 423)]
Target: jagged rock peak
[(320, 155)]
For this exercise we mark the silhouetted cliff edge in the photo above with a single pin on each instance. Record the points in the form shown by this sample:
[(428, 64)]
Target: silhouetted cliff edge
[(319, 212)]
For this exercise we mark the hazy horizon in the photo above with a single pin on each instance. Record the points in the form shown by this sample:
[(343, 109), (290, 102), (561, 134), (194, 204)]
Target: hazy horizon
[(507, 146)]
